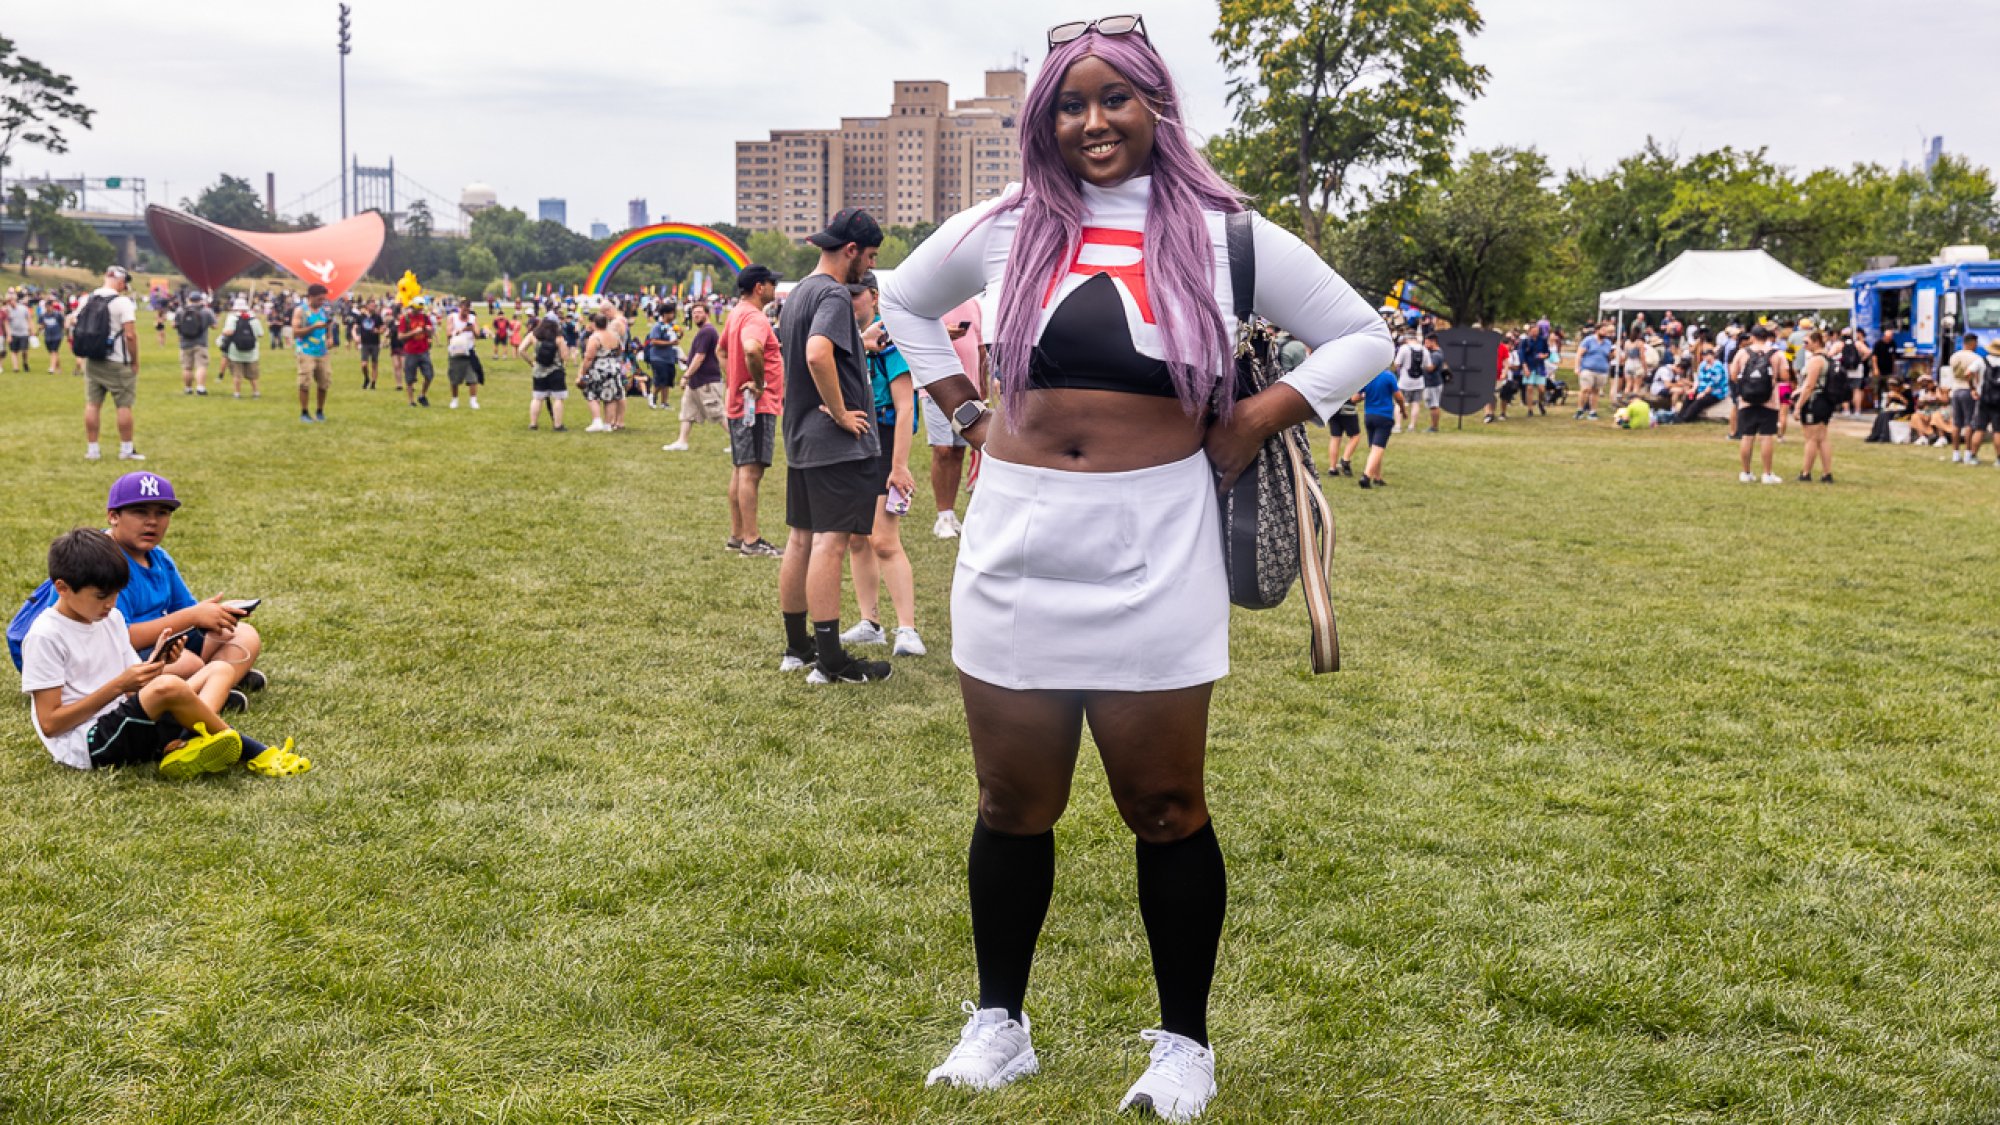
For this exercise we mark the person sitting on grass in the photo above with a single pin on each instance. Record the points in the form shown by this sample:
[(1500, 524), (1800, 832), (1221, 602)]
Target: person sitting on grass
[(96, 703), (139, 509)]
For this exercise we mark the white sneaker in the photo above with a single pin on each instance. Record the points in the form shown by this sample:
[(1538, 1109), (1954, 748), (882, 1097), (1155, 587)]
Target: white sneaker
[(1746, 478), (1178, 1083), (474, 404), (454, 404), (865, 633), (91, 453), (992, 1051), (946, 526), (1972, 460), (1773, 478), (675, 447), (908, 643), (131, 455), (1956, 457)]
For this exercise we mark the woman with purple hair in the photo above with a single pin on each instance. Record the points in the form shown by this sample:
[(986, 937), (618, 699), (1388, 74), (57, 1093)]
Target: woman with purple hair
[(1090, 582)]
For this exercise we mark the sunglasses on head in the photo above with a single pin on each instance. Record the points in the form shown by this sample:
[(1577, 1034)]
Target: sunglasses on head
[(1107, 25)]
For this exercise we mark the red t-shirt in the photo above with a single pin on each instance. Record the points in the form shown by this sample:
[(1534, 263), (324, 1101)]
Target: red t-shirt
[(749, 328), (415, 329)]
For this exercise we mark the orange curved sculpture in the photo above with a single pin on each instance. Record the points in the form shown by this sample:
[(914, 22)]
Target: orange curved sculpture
[(210, 255)]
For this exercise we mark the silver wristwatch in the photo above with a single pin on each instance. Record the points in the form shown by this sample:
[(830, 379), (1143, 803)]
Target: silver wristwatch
[(968, 415)]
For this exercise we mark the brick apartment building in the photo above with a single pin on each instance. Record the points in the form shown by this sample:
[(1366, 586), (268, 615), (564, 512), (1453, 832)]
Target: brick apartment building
[(924, 162)]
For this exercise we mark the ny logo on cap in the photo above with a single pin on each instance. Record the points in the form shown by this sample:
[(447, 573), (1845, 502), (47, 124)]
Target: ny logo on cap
[(149, 486)]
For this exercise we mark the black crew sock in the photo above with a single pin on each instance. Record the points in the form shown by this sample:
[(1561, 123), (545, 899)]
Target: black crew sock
[(1183, 892), (798, 637), (251, 747), (826, 637), (1011, 879)]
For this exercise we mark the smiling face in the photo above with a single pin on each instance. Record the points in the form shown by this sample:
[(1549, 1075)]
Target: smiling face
[(1103, 129), (140, 527)]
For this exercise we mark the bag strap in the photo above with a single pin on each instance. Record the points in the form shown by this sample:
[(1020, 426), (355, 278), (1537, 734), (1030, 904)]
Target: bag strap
[(1316, 541), (1242, 246)]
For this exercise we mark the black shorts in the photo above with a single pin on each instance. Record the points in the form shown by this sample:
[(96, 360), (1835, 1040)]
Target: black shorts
[(753, 439), (420, 361), (663, 377), (1379, 430), (839, 497), (1756, 421), (17, 344), (1345, 424), (371, 353), (1816, 411), (126, 734), (1985, 418)]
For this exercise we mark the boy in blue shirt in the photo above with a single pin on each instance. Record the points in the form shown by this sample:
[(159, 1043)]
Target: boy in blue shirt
[(1380, 400), (139, 510), (96, 703)]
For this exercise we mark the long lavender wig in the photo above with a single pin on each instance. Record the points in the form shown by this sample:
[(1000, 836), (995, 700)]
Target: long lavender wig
[(1180, 262)]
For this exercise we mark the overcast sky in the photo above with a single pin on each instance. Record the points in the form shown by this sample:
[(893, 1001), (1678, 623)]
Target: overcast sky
[(603, 105)]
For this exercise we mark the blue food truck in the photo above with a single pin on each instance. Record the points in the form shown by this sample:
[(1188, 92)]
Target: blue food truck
[(1928, 309)]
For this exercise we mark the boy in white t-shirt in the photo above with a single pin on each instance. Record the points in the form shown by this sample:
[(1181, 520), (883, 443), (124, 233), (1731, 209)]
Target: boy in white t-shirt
[(95, 703)]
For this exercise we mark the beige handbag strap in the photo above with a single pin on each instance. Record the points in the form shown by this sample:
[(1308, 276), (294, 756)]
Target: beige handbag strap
[(1316, 540)]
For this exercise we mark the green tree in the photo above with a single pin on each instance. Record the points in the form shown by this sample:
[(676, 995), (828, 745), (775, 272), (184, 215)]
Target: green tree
[(418, 221), (893, 250), (39, 212), (477, 266), (1470, 241), (76, 242), (792, 261), (1327, 91), (35, 102), (230, 202)]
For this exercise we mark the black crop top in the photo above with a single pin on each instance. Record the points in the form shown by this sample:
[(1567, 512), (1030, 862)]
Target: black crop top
[(1088, 347)]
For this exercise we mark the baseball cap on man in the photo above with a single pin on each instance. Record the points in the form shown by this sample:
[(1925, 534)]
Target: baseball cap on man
[(119, 272), (850, 224), (754, 275), (141, 488)]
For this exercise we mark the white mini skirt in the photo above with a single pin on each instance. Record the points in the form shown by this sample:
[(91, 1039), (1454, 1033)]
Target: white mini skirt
[(1092, 581)]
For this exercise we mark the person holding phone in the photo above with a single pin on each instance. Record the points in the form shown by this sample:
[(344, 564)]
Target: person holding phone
[(879, 558), (97, 703), (139, 510)]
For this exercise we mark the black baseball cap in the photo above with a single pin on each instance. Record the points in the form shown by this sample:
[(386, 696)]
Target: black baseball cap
[(850, 224), (754, 275)]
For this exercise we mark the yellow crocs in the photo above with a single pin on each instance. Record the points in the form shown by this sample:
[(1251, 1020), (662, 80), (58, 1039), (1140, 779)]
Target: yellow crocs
[(204, 753), (278, 761)]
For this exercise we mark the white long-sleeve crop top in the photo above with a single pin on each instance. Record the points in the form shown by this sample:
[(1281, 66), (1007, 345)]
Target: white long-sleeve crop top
[(1295, 290)]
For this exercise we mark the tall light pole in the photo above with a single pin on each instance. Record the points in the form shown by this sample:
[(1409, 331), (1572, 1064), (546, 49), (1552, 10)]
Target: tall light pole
[(345, 48)]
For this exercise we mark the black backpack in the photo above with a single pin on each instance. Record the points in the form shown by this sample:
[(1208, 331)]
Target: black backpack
[(1756, 387), (546, 354), (1850, 355), (1989, 389), (91, 338), (190, 324), (1833, 382), (243, 337)]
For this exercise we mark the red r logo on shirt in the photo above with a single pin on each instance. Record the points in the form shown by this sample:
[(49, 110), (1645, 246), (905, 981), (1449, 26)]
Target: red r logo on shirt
[(1132, 275)]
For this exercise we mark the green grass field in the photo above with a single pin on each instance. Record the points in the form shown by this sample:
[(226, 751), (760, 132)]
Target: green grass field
[(1645, 796)]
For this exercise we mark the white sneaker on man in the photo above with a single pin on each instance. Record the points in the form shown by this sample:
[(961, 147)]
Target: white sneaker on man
[(992, 1050), (1747, 478), (454, 404), (1956, 457), (947, 526), (908, 643), (473, 403), (672, 446), (1178, 1083), (865, 632), (1773, 478)]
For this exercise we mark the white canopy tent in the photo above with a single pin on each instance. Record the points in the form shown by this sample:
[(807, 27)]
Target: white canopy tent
[(1725, 281)]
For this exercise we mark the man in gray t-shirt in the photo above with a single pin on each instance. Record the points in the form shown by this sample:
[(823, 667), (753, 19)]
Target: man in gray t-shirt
[(832, 476), (821, 305), (20, 325)]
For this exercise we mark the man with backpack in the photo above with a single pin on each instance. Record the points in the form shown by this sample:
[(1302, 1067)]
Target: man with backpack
[(1985, 407), (1754, 379), (240, 333), (1853, 360), (106, 339), (191, 324)]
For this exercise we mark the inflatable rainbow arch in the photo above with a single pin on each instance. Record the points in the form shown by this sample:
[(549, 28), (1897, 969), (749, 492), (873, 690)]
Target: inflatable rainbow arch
[(632, 241)]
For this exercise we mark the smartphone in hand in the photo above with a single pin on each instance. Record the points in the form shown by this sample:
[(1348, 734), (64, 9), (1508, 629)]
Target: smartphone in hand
[(243, 607)]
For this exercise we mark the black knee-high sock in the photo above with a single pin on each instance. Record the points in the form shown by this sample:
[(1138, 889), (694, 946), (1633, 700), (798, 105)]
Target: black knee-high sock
[(1183, 892), (1011, 879), (798, 635)]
